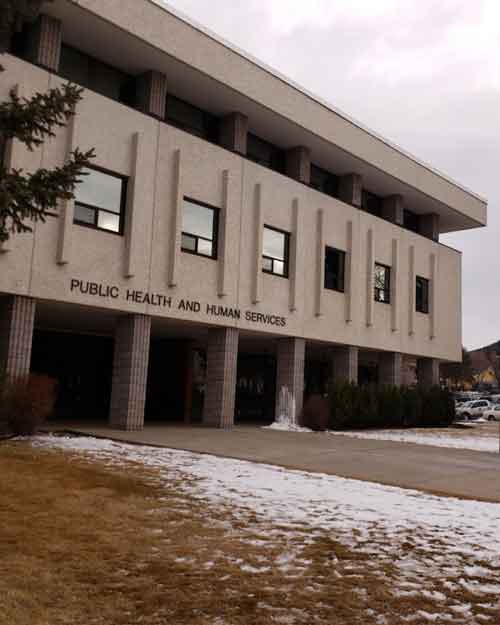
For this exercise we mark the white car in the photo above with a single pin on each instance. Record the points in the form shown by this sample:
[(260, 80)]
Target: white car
[(492, 413), (473, 409)]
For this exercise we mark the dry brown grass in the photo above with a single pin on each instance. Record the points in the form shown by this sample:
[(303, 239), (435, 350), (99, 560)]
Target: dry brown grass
[(85, 543)]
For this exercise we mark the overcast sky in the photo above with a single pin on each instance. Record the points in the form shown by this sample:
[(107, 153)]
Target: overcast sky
[(423, 73)]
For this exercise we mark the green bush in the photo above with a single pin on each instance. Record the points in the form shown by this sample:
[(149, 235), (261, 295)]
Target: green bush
[(358, 407)]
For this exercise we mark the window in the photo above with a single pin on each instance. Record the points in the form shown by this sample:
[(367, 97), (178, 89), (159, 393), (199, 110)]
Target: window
[(382, 283), (422, 295), (275, 251), (192, 119), (371, 203), (265, 153), (199, 228), (93, 74), (100, 200), (410, 221), (324, 181), (334, 269)]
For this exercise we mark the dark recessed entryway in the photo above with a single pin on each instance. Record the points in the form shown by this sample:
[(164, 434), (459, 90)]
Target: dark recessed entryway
[(82, 365)]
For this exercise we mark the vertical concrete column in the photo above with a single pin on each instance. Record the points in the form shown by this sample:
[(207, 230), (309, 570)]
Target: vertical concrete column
[(151, 94), (234, 133), (130, 372), (222, 363), (428, 226), (17, 317), (392, 209), (44, 42), (390, 368), (290, 373), (345, 364), (428, 372), (351, 189), (298, 164)]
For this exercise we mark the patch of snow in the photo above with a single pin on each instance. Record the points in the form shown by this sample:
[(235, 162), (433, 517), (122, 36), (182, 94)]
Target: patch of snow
[(430, 437), (425, 537), (286, 427)]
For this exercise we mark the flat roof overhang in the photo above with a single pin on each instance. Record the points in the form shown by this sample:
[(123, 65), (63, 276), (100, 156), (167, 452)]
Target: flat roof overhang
[(138, 35)]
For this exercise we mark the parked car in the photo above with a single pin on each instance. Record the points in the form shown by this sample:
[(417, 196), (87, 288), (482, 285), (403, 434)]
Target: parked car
[(473, 409), (493, 413)]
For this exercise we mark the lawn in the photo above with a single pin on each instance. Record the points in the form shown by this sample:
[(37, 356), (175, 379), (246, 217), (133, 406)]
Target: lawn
[(93, 532)]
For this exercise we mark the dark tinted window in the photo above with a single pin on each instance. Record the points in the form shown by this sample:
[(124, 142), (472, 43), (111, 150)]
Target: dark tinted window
[(422, 295), (324, 181), (410, 221), (265, 153), (88, 72), (192, 119), (371, 203), (334, 269)]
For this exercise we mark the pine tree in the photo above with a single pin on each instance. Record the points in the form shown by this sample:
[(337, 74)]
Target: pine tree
[(28, 197)]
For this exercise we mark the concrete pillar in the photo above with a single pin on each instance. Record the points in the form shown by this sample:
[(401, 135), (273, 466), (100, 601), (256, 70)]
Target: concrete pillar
[(17, 317), (44, 42), (428, 226), (290, 372), (222, 363), (130, 372), (151, 94), (393, 210), (390, 368), (428, 372), (234, 132), (298, 164), (345, 364), (351, 189)]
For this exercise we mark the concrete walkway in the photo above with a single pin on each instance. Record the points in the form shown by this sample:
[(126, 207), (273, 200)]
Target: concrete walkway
[(438, 470)]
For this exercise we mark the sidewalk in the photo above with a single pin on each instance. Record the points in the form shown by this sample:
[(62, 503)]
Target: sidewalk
[(442, 471)]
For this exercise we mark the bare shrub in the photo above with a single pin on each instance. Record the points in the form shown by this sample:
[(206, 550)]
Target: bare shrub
[(26, 403), (316, 413)]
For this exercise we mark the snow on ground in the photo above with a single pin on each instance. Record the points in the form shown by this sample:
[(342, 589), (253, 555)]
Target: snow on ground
[(444, 549), (481, 438)]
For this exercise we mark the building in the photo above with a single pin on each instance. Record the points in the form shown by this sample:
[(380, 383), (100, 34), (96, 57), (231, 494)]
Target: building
[(237, 235)]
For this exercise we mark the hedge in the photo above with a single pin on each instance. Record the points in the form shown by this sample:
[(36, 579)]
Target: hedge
[(359, 407)]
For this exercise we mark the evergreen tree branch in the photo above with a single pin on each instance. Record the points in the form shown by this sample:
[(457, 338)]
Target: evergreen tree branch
[(30, 197), (33, 120)]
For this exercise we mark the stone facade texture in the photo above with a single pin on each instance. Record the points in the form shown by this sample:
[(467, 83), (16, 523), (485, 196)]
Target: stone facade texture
[(290, 372), (392, 209), (298, 164), (345, 364), (428, 371), (17, 317), (222, 362), (44, 42), (351, 189), (234, 133), (130, 372), (390, 368), (151, 94)]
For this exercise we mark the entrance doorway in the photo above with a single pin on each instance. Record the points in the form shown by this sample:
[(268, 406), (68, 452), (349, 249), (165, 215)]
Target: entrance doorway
[(255, 389), (82, 365)]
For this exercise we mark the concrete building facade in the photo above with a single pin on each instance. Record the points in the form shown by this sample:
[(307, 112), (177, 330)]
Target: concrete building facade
[(234, 237)]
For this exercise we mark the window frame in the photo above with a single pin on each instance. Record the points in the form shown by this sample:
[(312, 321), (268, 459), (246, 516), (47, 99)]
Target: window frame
[(387, 289), (286, 259), (123, 204), (423, 305), (215, 231), (341, 287)]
